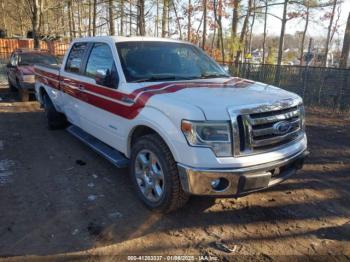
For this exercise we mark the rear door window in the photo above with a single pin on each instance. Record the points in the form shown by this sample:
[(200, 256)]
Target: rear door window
[(75, 58)]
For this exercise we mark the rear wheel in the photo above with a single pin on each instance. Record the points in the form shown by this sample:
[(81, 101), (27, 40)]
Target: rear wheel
[(155, 176), (55, 120)]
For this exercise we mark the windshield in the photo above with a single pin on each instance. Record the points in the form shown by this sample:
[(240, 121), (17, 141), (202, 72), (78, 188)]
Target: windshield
[(162, 61), (36, 58)]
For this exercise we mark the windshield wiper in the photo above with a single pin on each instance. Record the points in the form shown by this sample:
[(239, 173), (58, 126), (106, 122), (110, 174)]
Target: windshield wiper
[(162, 78), (205, 76)]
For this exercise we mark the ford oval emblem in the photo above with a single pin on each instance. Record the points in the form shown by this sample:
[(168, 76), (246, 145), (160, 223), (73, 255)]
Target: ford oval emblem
[(281, 128)]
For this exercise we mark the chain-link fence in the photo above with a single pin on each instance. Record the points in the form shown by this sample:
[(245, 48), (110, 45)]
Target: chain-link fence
[(319, 86)]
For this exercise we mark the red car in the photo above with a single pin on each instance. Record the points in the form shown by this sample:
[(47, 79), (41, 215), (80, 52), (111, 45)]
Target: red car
[(20, 70)]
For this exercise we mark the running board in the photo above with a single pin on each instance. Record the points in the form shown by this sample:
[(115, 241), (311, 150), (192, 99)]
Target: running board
[(111, 154)]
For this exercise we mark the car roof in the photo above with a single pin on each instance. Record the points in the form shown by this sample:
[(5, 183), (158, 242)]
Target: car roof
[(28, 50)]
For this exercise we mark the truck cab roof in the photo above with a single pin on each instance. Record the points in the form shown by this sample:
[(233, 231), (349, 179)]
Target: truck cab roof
[(118, 39)]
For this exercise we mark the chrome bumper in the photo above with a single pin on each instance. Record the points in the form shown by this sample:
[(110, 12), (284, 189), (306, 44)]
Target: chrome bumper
[(239, 181)]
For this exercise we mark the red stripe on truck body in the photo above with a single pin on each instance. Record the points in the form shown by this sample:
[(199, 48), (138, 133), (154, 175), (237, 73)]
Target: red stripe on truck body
[(139, 96)]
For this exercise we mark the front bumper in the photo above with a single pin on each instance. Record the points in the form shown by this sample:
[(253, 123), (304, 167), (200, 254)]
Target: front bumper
[(239, 181)]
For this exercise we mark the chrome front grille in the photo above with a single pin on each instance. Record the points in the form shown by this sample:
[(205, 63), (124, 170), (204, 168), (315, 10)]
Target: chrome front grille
[(266, 127)]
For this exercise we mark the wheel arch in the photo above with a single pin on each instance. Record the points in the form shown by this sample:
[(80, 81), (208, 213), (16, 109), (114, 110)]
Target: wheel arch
[(143, 129)]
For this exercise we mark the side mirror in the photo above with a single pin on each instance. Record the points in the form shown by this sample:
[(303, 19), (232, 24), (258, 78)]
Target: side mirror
[(102, 77)]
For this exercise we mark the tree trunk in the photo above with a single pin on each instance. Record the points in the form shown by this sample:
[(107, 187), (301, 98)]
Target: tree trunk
[(111, 17), (304, 32), (90, 18), (94, 15), (177, 20), (36, 22), (218, 19), (130, 17), (346, 46), (69, 11), (165, 17), (243, 32), (4, 18), (141, 17), (265, 32), (234, 27), (283, 29), (251, 29), (73, 21), (79, 19), (189, 14), (122, 15), (204, 35), (329, 34)]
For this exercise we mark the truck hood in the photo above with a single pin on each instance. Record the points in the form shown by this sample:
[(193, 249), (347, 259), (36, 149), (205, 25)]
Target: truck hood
[(214, 98)]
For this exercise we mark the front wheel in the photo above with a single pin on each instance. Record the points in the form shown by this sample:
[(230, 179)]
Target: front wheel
[(11, 86), (155, 176), (23, 95)]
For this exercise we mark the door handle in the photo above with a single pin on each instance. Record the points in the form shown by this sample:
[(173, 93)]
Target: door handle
[(81, 88)]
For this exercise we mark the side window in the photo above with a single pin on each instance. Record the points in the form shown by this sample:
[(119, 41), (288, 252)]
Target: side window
[(75, 57), (13, 60), (101, 67)]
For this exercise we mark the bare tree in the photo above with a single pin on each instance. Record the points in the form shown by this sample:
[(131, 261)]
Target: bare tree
[(307, 16), (217, 6), (36, 9), (165, 17), (122, 16), (265, 32), (243, 32), (141, 25), (283, 30), (329, 32), (111, 17), (204, 34), (235, 18), (346, 46), (94, 16), (189, 15)]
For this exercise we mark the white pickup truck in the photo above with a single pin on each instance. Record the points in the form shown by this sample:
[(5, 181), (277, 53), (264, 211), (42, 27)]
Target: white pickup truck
[(175, 117)]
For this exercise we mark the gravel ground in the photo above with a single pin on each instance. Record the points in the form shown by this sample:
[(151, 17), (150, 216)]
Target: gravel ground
[(60, 200)]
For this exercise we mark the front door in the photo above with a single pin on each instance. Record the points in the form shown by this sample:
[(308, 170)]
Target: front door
[(99, 96)]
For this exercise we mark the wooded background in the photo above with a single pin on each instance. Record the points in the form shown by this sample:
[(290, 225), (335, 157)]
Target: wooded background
[(224, 28)]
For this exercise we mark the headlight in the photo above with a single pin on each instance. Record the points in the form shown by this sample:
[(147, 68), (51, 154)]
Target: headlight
[(215, 135), (28, 79)]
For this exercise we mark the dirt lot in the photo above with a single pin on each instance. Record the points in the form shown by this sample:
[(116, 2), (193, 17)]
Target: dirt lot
[(60, 199)]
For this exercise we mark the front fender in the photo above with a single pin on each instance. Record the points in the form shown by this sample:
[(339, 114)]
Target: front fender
[(168, 129)]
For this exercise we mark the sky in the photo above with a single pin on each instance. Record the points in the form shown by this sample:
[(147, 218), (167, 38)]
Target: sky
[(315, 28)]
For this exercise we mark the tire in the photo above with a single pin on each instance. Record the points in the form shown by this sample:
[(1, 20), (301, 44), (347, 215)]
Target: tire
[(162, 166), (11, 86), (23, 95), (55, 120)]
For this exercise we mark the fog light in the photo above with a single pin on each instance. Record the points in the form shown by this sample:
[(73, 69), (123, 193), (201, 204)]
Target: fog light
[(219, 184)]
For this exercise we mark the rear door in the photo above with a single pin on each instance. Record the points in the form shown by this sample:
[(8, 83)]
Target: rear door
[(72, 80)]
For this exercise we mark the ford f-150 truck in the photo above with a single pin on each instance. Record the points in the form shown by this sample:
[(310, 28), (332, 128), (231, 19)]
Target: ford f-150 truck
[(171, 114)]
